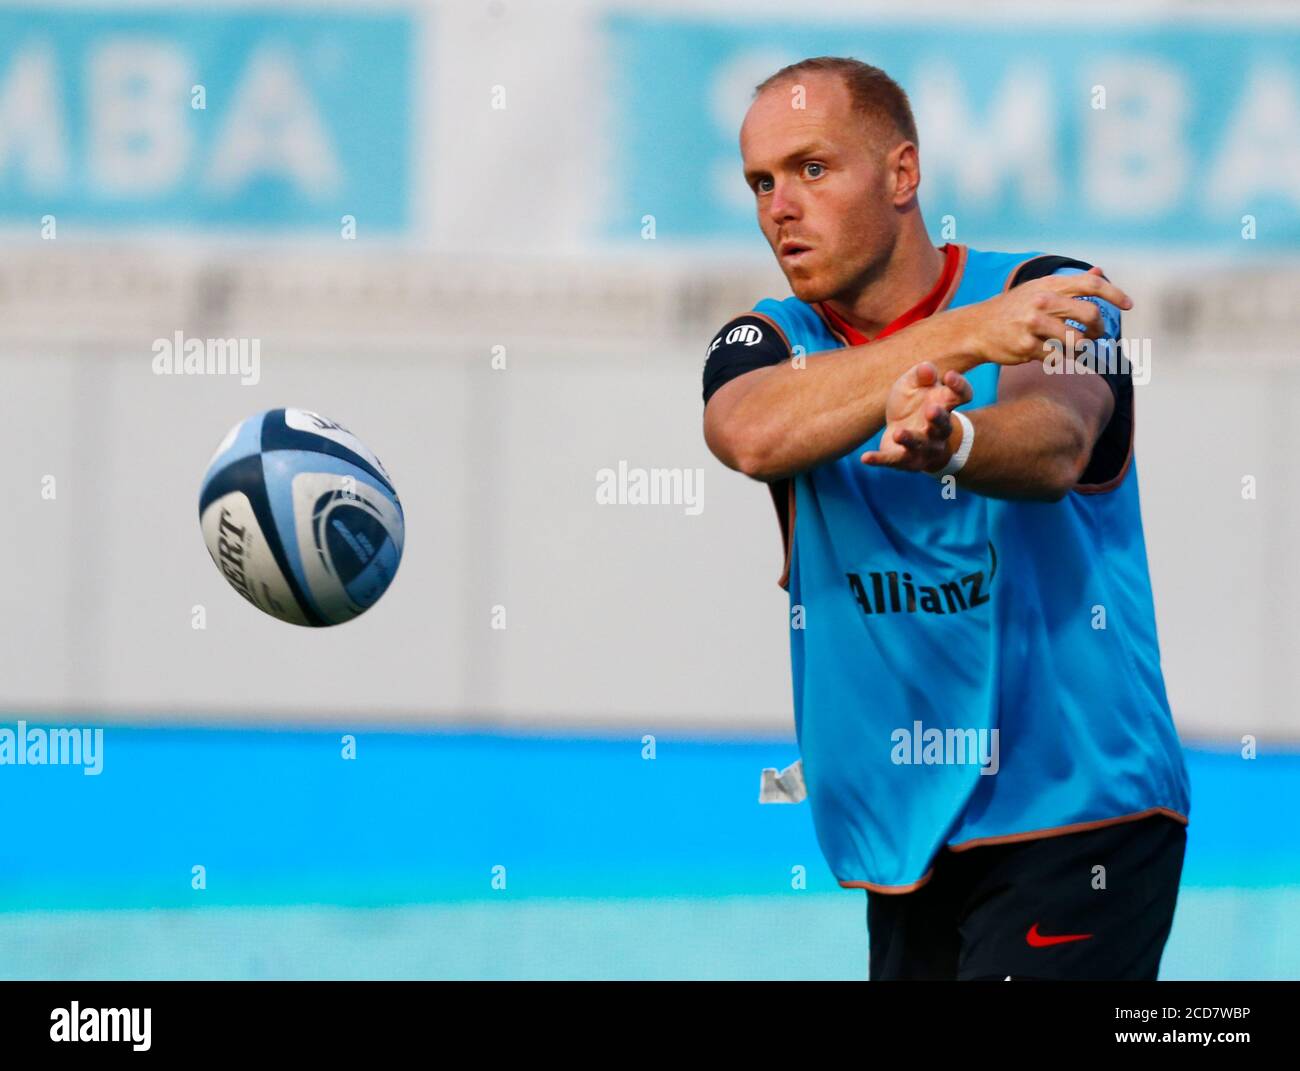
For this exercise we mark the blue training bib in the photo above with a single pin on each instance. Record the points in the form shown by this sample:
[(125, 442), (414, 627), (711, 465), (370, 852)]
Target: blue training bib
[(970, 669)]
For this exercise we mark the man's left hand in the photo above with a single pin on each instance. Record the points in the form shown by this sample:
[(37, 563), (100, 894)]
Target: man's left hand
[(918, 435)]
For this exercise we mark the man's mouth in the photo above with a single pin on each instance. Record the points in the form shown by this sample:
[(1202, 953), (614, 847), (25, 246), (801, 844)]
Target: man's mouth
[(792, 249)]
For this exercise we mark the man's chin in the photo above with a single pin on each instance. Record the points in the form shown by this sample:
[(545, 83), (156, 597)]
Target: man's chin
[(808, 289)]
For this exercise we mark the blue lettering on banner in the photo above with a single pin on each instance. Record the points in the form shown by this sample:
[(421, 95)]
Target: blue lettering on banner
[(1200, 126), (304, 118)]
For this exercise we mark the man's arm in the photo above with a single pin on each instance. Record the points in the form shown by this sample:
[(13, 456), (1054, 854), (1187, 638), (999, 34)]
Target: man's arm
[(1046, 432), (773, 422), (1035, 442)]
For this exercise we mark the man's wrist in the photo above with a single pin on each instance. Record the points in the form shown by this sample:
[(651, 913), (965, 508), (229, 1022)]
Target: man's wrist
[(962, 349), (949, 339), (949, 447), (958, 447)]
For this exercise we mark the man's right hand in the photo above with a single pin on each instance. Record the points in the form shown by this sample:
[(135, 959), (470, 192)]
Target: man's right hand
[(1018, 327)]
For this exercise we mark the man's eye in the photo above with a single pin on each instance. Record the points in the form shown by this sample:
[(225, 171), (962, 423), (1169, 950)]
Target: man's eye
[(813, 170), (763, 185)]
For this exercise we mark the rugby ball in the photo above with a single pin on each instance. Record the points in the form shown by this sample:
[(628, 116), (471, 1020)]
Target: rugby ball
[(301, 518)]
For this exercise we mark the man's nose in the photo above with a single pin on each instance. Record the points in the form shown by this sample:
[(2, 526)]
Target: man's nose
[(784, 205)]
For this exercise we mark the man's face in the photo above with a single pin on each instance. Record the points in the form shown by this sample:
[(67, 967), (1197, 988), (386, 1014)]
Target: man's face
[(820, 185)]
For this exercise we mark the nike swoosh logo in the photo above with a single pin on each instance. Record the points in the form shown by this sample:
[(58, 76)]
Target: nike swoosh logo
[(1037, 940)]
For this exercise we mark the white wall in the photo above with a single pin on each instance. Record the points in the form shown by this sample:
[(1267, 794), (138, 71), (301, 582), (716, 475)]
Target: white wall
[(639, 616), (636, 615)]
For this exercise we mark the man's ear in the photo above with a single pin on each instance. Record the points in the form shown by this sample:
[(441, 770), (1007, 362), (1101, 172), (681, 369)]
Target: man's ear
[(904, 164)]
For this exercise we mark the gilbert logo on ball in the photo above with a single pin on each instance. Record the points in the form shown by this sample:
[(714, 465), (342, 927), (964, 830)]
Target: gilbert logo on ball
[(301, 518)]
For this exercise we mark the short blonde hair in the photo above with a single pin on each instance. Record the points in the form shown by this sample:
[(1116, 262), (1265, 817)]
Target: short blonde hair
[(877, 96)]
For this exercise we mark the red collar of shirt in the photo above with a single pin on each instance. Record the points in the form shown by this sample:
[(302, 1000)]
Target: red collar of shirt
[(923, 308)]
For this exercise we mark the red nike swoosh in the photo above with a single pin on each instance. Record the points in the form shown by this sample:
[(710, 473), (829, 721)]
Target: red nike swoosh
[(1037, 940)]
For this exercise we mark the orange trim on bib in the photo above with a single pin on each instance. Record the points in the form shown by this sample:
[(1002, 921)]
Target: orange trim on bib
[(1058, 831), (1015, 838), (890, 890)]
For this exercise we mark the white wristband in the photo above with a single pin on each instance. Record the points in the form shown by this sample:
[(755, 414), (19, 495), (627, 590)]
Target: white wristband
[(958, 459)]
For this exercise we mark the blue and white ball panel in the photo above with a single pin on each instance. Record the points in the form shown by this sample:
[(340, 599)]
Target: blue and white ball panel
[(350, 536), (302, 484), (240, 550), (306, 421), (243, 440)]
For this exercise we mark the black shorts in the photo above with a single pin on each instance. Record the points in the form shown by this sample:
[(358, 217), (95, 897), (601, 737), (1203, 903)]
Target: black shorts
[(1037, 908)]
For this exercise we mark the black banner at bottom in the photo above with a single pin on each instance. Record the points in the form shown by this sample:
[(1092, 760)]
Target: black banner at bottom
[(174, 1019)]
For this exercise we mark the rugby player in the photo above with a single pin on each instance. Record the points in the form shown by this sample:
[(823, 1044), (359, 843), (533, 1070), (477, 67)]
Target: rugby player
[(984, 732)]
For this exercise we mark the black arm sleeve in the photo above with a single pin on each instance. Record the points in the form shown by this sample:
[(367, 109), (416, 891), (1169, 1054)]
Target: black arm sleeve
[(1111, 450), (744, 344)]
